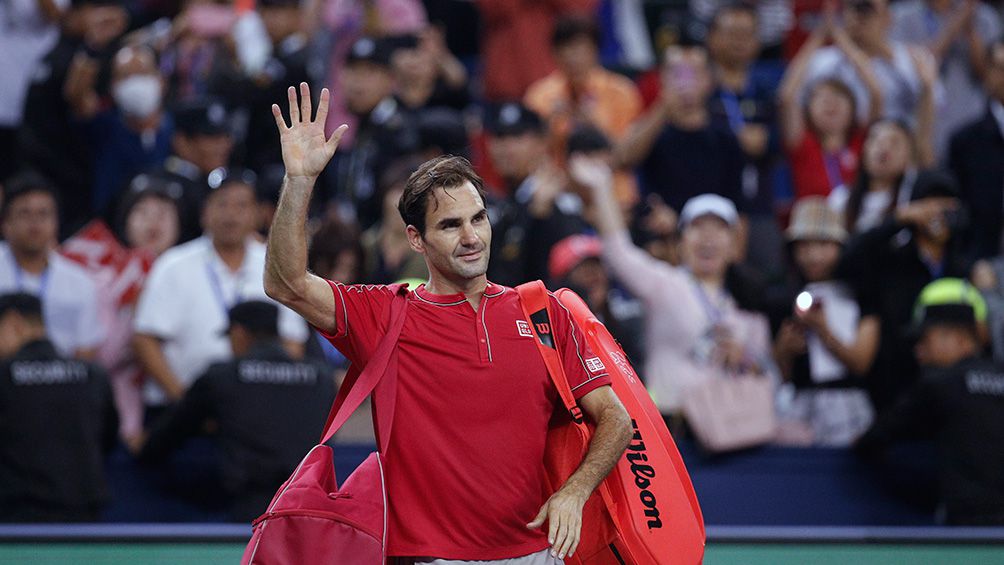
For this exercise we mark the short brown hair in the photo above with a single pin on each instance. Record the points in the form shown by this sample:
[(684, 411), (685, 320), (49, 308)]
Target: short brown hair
[(447, 171)]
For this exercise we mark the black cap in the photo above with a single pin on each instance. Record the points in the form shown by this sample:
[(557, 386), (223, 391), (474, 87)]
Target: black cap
[(587, 139), (370, 50), (278, 3), (202, 117), (23, 303), (444, 129), (934, 184), (256, 316), (512, 118), (221, 176)]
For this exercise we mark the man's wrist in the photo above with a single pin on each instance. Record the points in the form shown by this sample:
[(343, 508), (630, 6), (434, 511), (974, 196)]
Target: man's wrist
[(301, 181)]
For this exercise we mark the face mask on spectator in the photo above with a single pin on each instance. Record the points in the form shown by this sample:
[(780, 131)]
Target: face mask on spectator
[(139, 95)]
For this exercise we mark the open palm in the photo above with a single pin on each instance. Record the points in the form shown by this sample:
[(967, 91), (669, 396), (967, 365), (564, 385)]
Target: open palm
[(305, 150)]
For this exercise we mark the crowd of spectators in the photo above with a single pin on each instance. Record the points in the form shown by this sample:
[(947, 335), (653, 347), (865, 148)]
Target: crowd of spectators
[(756, 189)]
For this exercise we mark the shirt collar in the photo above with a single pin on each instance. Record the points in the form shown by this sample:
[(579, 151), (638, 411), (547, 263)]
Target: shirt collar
[(491, 291), (997, 109)]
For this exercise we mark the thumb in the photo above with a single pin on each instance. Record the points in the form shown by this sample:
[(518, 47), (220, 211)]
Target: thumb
[(539, 520)]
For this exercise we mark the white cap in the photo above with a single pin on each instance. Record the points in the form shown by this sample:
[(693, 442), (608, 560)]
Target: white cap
[(712, 204)]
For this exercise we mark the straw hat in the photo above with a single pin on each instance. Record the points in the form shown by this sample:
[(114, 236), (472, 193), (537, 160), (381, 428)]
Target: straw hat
[(812, 219)]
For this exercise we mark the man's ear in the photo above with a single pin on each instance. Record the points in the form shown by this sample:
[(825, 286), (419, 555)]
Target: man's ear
[(415, 239)]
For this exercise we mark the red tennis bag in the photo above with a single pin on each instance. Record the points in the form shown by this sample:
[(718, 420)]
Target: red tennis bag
[(645, 512), (310, 519)]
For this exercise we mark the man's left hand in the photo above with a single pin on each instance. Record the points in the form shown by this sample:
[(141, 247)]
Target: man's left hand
[(563, 513)]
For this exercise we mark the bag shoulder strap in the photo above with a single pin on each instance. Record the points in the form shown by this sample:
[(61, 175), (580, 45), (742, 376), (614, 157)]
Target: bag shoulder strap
[(359, 384), (535, 302)]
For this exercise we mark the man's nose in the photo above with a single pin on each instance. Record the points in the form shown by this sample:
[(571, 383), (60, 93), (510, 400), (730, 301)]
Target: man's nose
[(468, 235)]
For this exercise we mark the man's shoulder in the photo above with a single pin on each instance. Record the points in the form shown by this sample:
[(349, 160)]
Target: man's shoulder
[(181, 255)]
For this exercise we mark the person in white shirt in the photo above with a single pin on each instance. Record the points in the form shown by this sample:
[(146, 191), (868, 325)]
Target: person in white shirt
[(182, 311), (28, 263)]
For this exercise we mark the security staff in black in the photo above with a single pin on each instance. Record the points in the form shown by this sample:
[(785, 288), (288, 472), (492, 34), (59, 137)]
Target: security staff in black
[(959, 402), (269, 410), (57, 421)]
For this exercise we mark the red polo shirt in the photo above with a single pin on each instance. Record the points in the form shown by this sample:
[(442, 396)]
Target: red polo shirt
[(464, 467)]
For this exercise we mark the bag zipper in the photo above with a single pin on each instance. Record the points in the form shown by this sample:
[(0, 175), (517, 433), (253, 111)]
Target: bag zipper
[(318, 514)]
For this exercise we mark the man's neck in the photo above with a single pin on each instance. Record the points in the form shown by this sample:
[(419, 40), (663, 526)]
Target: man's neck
[(232, 254), (690, 119), (932, 251), (879, 48), (473, 289), (939, 6), (415, 93), (30, 261), (140, 125), (733, 77)]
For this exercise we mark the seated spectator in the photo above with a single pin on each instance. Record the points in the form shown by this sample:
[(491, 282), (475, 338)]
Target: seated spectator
[(184, 302), (427, 74), (539, 211), (267, 406), (959, 402), (133, 135), (744, 103), (888, 266), (884, 179), (827, 342), (337, 24), (820, 122), (57, 421), (776, 17), (957, 33), (385, 247), (694, 328), (576, 263), (49, 140), (386, 130), (202, 143), (29, 222), (582, 92), (974, 159), (906, 75), (679, 152), (514, 46)]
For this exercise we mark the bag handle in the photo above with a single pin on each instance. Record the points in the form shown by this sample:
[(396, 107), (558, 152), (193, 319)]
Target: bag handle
[(360, 384), (534, 299)]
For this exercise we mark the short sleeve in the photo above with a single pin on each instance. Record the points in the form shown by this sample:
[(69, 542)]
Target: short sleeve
[(159, 311), (583, 368), (361, 316), (90, 332)]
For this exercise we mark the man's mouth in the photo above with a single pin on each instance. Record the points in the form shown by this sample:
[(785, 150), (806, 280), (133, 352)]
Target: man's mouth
[(471, 256)]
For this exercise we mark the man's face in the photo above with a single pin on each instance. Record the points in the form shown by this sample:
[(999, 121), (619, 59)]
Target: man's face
[(229, 216), (939, 229), (867, 20), (733, 41), (577, 57), (280, 21), (413, 64), (516, 156), (10, 334), (458, 236), (686, 76), (205, 151), (942, 346), (994, 78), (31, 223), (365, 85)]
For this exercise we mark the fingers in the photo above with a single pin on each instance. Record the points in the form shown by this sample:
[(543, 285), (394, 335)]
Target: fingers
[(294, 108), (574, 535), (560, 542), (336, 136), (306, 112), (322, 107), (539, 520), (280, 122)]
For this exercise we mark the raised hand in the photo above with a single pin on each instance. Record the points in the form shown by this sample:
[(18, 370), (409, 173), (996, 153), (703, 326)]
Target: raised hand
[(305, 150)]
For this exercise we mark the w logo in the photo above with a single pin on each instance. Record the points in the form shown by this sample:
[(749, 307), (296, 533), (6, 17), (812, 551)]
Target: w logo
[(544, 328)]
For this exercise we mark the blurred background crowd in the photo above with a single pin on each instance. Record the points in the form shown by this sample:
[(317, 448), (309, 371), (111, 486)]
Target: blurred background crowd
[(800, 198)]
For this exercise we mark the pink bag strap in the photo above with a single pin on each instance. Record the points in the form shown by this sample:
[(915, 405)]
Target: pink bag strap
[(360, 384), (533, 298)]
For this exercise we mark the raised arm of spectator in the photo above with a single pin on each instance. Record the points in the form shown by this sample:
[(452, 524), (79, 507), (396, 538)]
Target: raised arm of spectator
[(789, 94), (928, 72), (863, 66), (450, 68), (640, 138), (305, 153), (637, 270), (961, 22), (79, 88)]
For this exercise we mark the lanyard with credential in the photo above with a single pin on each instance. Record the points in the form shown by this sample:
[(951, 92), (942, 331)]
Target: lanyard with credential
[(711, 310), (221, 299), (43, 279)]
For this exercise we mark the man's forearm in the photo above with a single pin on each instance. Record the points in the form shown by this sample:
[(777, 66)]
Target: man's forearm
[(610, 439), (640, 139), (286, 252), (151, 358)]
